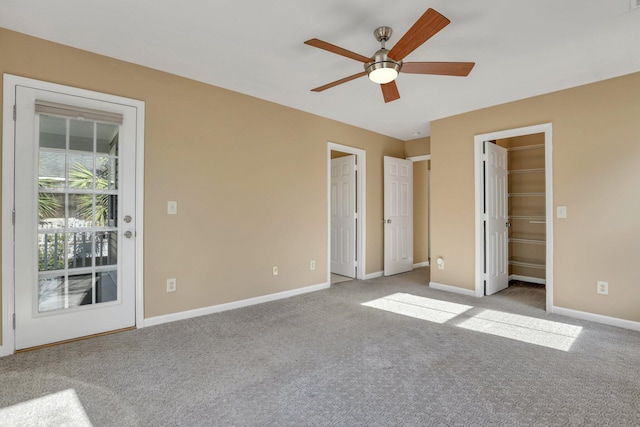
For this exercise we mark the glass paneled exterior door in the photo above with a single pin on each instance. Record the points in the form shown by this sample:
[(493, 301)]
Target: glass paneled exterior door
[(75, 218)]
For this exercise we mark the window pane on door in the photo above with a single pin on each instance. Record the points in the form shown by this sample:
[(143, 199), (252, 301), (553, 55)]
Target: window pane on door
[(51, 293), (106, 286), (51, 213), (77, 210), (81, 135)]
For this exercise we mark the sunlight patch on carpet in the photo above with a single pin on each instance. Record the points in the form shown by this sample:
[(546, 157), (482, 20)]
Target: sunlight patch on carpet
[(57, 409), (432, 310), (546, 333), (531, 330)]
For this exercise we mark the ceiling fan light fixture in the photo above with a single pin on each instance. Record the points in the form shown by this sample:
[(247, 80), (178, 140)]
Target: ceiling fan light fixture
[(382, 69), (383, 75)]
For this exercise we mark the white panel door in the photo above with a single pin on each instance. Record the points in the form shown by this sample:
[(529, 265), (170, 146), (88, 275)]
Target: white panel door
[(398, 216), (496, 209), (343, 216), (74, 220)]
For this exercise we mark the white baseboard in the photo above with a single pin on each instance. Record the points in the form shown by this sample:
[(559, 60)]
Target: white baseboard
[(598, 318), (421, 264), (453, 289), (536, 280), (373, 275), (158, 320)]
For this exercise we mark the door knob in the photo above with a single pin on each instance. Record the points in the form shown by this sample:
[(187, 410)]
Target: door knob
[(388, 221), (128, 234), (127, 218)]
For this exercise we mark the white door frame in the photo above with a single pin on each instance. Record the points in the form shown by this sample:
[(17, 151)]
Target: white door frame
[(8, 186), (545, 128), (361, 198), (422, 158)]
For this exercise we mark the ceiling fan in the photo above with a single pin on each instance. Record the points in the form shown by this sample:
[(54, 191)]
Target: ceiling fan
[(383, 67)]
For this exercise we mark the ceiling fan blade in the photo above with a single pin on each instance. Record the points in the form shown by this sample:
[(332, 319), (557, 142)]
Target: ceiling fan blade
[(390, 91), (335, 49), (440, 68), (425, 27), (338, 82)]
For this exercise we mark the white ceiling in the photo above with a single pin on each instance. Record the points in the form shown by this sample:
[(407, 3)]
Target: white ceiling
[(521, 48)]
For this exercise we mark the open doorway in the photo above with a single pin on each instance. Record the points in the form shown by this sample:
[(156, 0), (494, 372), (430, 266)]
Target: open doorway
[(421, 210), (346, 172), (514, 220)]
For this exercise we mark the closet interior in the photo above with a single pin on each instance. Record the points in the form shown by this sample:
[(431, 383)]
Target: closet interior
[(526, 187)]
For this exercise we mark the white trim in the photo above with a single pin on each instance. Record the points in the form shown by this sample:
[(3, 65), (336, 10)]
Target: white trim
[(8, 129), (373, 275), (421, 264), (452, 289), (8, 180), (361, 205), (139, 276), (158, 320), (598, 318), (545, 128), (420, 158), (529, 279)]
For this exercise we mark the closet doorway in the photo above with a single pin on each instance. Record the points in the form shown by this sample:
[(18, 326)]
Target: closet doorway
[(346, 177), (514, 221)]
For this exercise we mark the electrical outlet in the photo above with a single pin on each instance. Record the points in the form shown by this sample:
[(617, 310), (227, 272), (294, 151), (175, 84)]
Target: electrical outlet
[(172, 207), (602, 288), (312, 264), (275, 270), (561, 212), (440, 262), (172, 285)]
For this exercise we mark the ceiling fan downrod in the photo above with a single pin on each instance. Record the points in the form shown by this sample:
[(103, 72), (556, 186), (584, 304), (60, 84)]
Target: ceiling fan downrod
[(382, 69)]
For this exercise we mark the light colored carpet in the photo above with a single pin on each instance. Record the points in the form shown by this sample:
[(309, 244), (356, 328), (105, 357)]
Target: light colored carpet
[(336, 278), (325, 359)]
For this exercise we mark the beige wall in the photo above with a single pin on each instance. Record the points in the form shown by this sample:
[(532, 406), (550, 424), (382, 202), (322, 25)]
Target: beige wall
[(249, 177), (417, 147), (596, 152)]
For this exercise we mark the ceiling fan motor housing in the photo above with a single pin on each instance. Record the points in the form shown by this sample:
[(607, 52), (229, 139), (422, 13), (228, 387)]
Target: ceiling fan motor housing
[(381, 61)]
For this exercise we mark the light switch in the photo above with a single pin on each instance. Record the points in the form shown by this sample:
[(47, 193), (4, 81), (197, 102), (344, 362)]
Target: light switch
[(561, 211), (172, 208)]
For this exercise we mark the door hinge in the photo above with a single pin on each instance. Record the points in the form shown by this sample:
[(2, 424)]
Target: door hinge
[(15, 112), (484, 157), (485, 217), (14, 321), (13, 217)]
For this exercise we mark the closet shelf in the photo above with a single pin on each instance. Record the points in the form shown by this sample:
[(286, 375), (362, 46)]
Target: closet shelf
[(521, 171), (522, 262), (526, 147), (528, 217), (526, 194), (527, 241)]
